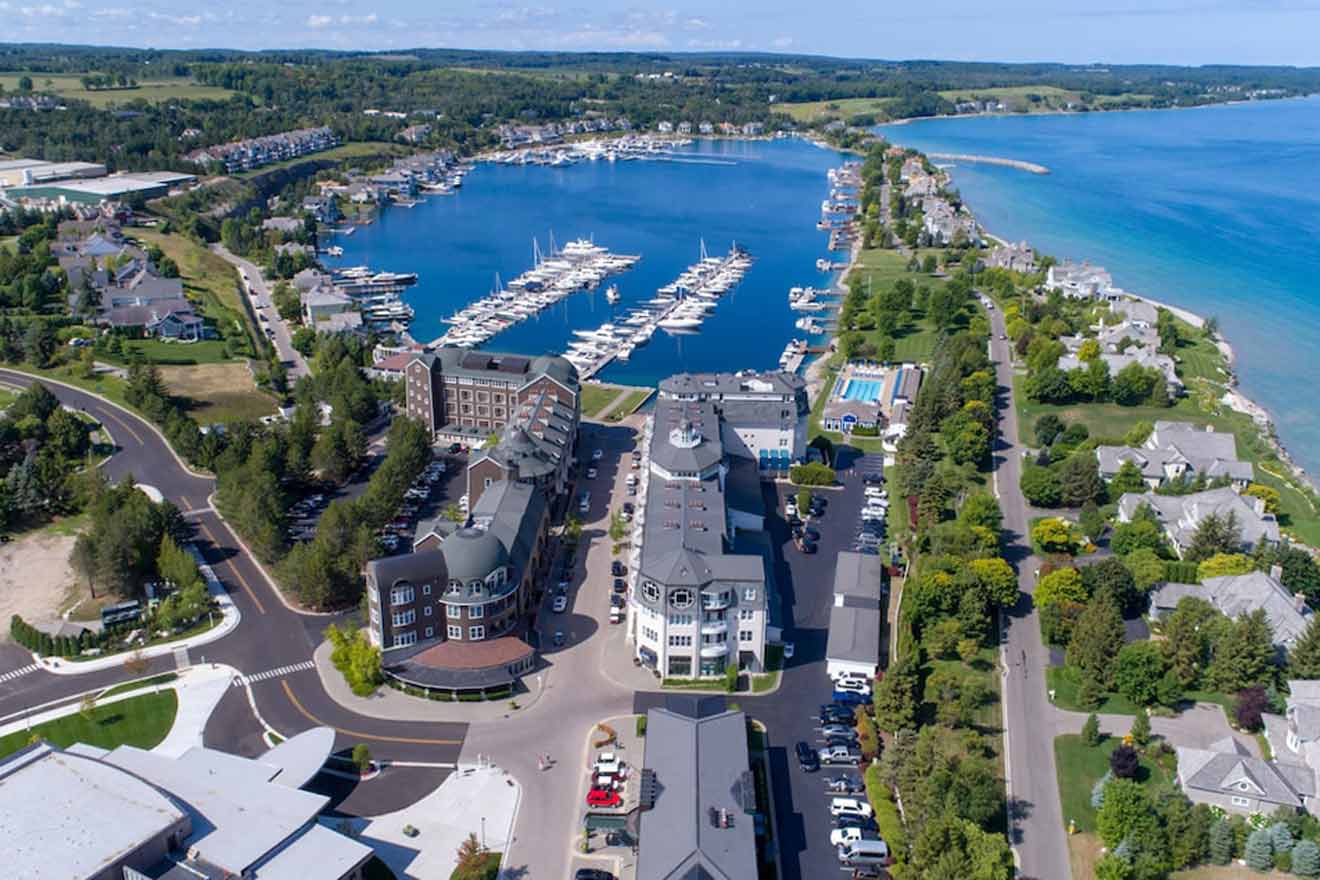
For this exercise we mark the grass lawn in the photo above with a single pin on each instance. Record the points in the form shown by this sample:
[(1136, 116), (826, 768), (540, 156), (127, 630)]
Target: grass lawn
[(842, 108), (223, 392), (1063, 681), (208, 278), (69, 85), (140, 721), (127, 686), (629, 404), (1080, 767), (164, 351), (596, 397)]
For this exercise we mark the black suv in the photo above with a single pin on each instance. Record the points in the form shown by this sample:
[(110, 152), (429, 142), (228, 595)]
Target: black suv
[(808, 760), (617, 569)]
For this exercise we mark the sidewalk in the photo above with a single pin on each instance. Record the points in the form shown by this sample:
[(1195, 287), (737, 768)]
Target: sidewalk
[(480, 801), (230, 617), (391, 705)]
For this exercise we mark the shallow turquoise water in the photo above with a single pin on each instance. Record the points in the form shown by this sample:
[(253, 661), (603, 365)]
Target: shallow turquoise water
[(765, 195), (1215, 209)]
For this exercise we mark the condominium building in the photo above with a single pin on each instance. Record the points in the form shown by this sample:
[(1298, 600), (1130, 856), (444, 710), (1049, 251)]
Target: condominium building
[(763, 416), (702, 595)]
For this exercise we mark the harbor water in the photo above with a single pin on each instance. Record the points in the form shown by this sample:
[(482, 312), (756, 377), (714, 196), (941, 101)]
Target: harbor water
[(1216, 210), (763, 195)]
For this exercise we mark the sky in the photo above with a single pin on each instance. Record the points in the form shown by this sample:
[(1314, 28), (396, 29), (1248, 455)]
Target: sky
[(1106, 31)]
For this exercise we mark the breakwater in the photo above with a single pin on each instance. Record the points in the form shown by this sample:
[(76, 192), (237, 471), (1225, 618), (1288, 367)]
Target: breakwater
[(1020, 165)]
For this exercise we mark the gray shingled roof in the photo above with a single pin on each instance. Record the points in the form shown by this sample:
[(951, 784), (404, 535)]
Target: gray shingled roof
[(1227, 768), (1181, 514), (700, 764), (1236, 595)]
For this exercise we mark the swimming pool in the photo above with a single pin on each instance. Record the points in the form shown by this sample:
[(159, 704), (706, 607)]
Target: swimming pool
[(861, 389)]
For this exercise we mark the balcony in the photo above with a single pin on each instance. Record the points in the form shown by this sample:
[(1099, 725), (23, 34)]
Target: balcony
[(718, 650), (716, 601), (714, 627)]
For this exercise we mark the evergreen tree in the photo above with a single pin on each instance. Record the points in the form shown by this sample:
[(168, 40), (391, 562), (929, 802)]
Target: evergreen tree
[(1188, 635), (1096, 640), (1141, 727), (1215, 534), (1304, 658), (1222, 843), (1091, 730), (1244, 654), (1098, 790), (1259, 851), (1280, 837), (1306, 859), (896, 698)]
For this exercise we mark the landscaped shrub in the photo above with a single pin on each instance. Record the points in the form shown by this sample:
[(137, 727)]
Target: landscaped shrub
[(812, 473), (887, 819)]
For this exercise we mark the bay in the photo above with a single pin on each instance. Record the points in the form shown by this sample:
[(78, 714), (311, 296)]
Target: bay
[(1216, 210), (764, 195)]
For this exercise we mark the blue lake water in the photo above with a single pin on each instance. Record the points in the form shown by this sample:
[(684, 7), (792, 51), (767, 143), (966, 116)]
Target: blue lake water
[(1216, 210), (764, 195)]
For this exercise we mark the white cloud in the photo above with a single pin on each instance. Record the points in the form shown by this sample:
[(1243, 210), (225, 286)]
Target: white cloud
[(45, 10), (176, 20), (781, 42), (696, 24), (324, 21)]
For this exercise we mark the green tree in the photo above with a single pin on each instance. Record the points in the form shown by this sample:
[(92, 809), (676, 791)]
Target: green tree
[(1054, 535), (1222, 564), (1304, 658), (1079, 480), (896, 697), (176, 565), (1041, 486), (1126, 807), (1215, 534), (1243, 654), (1141, 532), (362, 757), (1091, 730), (1221, 842), (1138, 670), (1306, 859), (1048, 427), (1111, 575), (1140, 731), (1259, 851), (1128, 479), (1189, 633), (981, 509), (1060, 585), (1096, 640), (997, 581), (1146, 566)]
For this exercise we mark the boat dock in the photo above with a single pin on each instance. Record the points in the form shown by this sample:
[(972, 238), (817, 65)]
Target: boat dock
[(579, 265), (678, 307)]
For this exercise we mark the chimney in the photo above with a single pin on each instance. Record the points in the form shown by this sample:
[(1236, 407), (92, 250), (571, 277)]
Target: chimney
[(1276, 572)]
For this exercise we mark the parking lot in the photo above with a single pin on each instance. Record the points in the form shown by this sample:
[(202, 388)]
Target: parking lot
[(802, 803)]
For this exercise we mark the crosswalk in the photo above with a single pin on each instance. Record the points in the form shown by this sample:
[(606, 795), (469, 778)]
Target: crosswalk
[(17, 673), (278, 672)]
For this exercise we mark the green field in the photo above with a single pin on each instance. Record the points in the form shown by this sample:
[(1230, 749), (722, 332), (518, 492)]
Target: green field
[(596, 397), (208, 278), (164, 351), (1080, 767), (1017, 97), (628, 405), (914, 340), (139, 721), (69, 85), (842, 108)]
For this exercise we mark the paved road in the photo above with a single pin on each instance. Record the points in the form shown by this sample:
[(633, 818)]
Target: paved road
[(270, 637), (258, 291), (1036, 815)]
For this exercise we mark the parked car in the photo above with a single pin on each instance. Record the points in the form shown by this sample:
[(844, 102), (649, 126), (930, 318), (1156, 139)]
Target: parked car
[(807, 757), (592, 874), (617, 601), (597, 454), (843, 730), (862, 686), (788, 650), (835, 713), (844, 784), (558, 640), (584, 502), (620, 585), (874, 492), (850, 806), (811, 534), (560, 605), (790, 508), (629, 508), (618, 569), (846, 741), (840, 755), (842, 836), (601, 797), (855, 698)]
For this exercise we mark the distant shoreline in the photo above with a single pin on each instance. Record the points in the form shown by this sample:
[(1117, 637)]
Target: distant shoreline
[(1007, 113)]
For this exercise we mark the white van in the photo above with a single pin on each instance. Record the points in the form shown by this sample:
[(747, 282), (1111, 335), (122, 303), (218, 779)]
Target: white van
[(864, 852)]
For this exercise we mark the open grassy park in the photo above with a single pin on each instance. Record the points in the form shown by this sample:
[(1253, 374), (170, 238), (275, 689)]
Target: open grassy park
[(139, 721), (841, 108), (69, 86)]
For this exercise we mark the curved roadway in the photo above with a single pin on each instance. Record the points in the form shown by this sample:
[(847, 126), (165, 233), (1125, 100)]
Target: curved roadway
[(270, 636)]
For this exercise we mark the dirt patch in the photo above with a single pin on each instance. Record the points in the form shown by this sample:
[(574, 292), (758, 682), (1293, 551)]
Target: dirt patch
[(35, 577), (218, 392)]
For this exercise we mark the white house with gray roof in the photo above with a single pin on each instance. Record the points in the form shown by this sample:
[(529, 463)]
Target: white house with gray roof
[(1080, 281), (856, 617), (1235, 595), (701, 593), (1181, 515), (1179, 450), (1228, 776), (1294, 737), (1142, 357), (698, 794)]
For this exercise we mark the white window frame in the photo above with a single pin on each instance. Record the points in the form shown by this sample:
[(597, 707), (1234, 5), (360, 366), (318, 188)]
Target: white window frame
[(426, 612), (402, 595), (403, 618), (430, 632), (749, 594), (476, 612), (476, 633), (404, 639), (455, 631), (1241, 801)]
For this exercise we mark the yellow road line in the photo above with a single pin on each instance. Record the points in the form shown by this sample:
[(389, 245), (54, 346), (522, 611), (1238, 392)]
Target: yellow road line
[(233, 568), (358, 735)]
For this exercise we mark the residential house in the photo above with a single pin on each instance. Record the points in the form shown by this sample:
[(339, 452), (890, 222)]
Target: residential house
[(1235, 595), (1294, 737), (1179, 450), (283, 225), (1080, 281), (664, 127), (1228, 776), (324, 209), (1181, 515), (1142, 357), (255, 152), (1018, 257)]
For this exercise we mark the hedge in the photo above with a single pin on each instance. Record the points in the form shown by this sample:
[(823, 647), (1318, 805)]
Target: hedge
[(887, 819), (812, 474), (1182, 572), (35, 640)]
